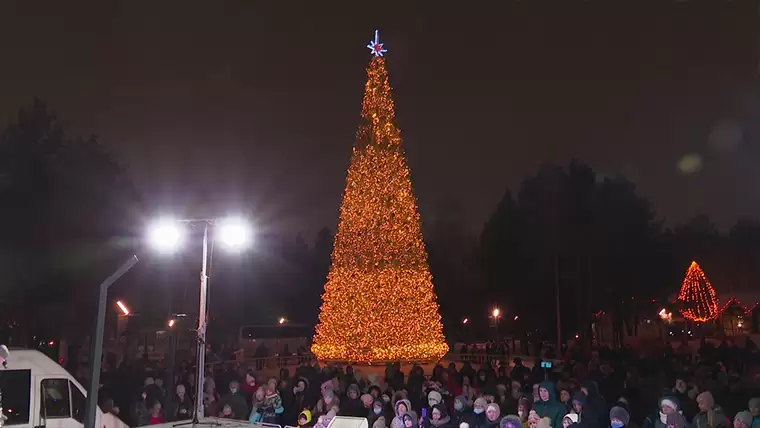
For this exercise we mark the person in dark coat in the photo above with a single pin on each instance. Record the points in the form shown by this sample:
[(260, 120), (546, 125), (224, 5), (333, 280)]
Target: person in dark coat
[(181, 407), (462, 413), (236, 401), (439, 418), (595, 402), (352, 405)]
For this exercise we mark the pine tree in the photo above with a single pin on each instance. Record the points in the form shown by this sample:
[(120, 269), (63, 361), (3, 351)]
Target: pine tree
[(379, 303), (698, 296)]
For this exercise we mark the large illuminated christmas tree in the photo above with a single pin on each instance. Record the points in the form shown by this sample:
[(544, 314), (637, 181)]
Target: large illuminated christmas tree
[(379, 303), (698, 296)]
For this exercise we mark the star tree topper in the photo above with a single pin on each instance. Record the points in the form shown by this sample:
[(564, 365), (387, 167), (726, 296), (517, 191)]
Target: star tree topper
[(376, 47)]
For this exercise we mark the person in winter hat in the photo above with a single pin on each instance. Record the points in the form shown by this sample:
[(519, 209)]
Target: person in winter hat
[(403, 407), (439, 417), (668, 404), (299, 400), (181, 407), (754, 408), (479, 412), (493, 416), (510, 421), (304, 419), (585, 414), (352, 405), (434, 397), (569, 419), (675, 420), (743, 419), (462, 412), (548, 406), (408, 421), (236, 401), (331, 406), (619, 417), (272, 403), (377, 418), (710, 415), (681, 392)]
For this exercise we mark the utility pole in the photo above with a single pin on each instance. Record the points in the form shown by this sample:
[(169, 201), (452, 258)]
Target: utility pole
[(559, 321)]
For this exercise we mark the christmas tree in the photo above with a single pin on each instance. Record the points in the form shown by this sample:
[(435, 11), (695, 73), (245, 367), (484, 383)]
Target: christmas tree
[(379, 303), (698, 296)]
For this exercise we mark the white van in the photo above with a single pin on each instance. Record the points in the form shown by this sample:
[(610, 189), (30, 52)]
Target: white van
[(39, 393)]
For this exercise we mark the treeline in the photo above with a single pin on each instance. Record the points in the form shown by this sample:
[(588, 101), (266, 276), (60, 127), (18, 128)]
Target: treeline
[(594, 240), (70, 214)]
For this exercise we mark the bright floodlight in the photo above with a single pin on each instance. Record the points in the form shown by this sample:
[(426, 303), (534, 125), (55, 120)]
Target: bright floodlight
[(165, 235), (234, 233)]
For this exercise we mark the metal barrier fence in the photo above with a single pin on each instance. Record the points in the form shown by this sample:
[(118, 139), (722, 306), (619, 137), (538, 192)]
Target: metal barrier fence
[(278, 362), (267, 363)]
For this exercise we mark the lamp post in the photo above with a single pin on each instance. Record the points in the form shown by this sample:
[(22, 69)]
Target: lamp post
[(496, 313), (96, 347), (167, 235)]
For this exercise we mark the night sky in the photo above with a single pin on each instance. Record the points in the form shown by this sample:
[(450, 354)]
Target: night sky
[(254, 104)]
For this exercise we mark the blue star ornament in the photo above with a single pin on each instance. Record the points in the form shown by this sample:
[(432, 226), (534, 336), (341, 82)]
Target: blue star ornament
[(375, 47)]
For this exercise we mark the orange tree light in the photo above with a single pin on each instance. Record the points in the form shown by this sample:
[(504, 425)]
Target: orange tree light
[(699, 296), (379, 303)]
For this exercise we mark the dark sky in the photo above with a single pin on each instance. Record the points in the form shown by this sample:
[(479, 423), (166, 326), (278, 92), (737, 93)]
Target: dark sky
[(255, 103)]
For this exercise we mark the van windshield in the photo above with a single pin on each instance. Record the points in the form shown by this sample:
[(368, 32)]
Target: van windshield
[(16, 386)]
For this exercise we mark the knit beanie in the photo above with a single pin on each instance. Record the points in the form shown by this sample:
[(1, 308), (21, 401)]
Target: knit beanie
[(676, 420), (745, 417), (754, 403), (494, 406), (580, 397), (707, 399), (480, 401), (544, 423), (620, 414), (572, 416), (671, 402), (510, 421), (434, 397)]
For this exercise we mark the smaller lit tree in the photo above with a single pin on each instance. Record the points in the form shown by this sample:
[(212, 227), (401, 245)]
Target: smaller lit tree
[(697, 295)]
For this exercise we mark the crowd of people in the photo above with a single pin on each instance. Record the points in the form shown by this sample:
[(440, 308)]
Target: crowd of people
[(603, 388)]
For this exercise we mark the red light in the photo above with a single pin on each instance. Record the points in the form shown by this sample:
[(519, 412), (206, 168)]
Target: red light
[(652, 300), (60, 360), (51, 343), (516, 317)]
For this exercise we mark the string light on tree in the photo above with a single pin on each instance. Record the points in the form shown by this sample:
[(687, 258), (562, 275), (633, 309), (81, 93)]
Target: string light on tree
[(379, 303), (699, 295)]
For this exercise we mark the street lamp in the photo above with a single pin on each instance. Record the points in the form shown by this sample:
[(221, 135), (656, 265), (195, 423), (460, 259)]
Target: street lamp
[(167, 235), (96, 345), (496, 313), (123, 307), (465, 321), (282, 321)]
